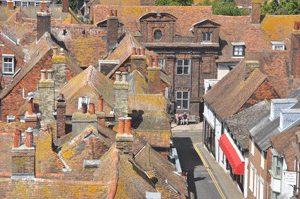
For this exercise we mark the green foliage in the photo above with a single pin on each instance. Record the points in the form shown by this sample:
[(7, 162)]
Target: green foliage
[(221, 7), (174, 2), (72, 5), (285, 7)]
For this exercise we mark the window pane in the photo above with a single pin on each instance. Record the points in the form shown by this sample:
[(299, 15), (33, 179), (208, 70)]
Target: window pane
[(179, 70), (186, 62), (186, 70), (178, 104), (184, 104), (179, 62), (185, 95), (203, 36), (178, 95), (208, 36)]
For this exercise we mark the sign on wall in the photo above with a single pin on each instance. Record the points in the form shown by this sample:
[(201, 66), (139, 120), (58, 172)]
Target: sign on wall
[(290, 177)]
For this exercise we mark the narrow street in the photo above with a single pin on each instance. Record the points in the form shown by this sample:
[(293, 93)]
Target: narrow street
[(199, 180)]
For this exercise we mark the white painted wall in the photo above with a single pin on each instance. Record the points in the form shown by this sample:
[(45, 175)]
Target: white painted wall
[(286, 190), (222, 71), (246, 175)]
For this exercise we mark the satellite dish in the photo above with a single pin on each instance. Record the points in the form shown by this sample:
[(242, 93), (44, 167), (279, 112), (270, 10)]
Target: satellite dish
[(111, 45), (104, 38)]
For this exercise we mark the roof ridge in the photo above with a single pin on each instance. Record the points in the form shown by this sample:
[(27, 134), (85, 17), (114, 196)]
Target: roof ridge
[(114, 183)]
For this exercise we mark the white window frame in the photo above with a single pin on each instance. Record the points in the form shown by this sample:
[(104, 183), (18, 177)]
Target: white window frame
[(262, 159), (4, 56), (181, 99), (238, 49), (83, 100), (278, 45), (251, 176), (255, 184), (10, 118), (22, 3), (183, 66), (261, 189), (277, 163), (252, 146), (161, 63), (37, 3), (206, 37)]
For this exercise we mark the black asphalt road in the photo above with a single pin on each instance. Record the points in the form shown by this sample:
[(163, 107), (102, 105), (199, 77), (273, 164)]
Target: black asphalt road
[(199, 181)]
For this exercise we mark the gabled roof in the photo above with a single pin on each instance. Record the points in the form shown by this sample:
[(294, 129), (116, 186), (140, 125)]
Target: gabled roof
[(95, 81), (137, 83), (231, 92), (8, 43), (206, 21), (238, 124), (129, 15), (282, 143)]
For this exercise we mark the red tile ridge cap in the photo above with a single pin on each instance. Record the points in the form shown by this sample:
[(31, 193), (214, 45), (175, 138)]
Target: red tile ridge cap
[(114, 183)]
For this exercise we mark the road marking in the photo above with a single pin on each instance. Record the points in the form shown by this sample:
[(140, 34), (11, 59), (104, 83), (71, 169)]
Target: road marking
[(209, 171)]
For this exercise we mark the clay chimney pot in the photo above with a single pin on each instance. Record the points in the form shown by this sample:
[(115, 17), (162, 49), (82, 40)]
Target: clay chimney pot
[(92, 108), (121, 125), (29, 138), (110, 13), (17, 138), (138, 51), (156, 60), (128, 125), (115, 13), (143, 51), (133, 51), (150, 61), (30, 106), (84, 108), (100, 104)]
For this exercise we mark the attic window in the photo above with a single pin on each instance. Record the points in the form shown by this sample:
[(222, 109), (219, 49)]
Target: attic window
[(64, 32), (206, 37), (238, 49), (8, 64), (278, 45)]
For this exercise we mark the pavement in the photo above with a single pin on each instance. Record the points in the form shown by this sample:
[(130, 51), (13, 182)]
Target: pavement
[(225, 186)]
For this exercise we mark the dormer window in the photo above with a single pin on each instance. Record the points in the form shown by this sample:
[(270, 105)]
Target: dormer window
[(8, 64), (206, 37), (238, 49), (278, 45)]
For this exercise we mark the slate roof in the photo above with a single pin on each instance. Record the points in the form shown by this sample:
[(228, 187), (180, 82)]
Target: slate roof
[(282, 143), (238, 123), (232, 91), (91, 79), (129, 15)]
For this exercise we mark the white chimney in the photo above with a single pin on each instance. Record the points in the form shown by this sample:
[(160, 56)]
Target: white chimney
[(279, 104)]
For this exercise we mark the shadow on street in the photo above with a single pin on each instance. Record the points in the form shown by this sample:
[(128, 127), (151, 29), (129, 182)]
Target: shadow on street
[(189, 159)]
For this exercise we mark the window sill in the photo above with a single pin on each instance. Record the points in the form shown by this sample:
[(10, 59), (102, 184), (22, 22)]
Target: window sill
[(7, 74), (238, 57), (182, 74)]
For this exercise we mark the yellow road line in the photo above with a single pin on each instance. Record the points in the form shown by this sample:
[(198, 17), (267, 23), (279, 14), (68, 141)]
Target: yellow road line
[(209, 171)]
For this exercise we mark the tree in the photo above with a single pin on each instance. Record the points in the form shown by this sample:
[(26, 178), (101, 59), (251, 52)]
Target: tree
[(173, 2), (72, 5), (290, 7)]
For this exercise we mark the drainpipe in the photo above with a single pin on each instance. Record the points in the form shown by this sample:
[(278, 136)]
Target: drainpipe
[(191, 72)]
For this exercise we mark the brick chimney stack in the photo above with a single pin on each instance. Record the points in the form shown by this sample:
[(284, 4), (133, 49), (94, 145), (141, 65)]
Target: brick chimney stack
[(125, 140), (139, 61), (43, 23), (23, 156), (295, 50), (31, 119), (112, 28), (47, 97), (10, 5), (101, 113), (65, 4), (256, 4), (249, 67), (154, 77), (121, 95), (61, 118)]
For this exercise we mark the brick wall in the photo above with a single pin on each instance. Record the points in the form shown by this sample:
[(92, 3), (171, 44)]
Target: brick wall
[(264, 91), (263, 172), (295, 52), (256, 12), (154, 80), (12, 102), (43, 23), (23, 161)]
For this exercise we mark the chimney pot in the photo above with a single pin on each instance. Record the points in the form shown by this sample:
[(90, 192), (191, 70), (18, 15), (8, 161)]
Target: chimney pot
[(133, 51), (91, 108), (17, 138), (150, 61), (143, 51), (50, 72), (110, 13), (84, 107), (156, 60), (100, 104), (115, 13), (296, 25), (138, 51), (61, 96), (121, 125), (124, 75), (30, 106), (29, 138), (43, 74), (118, 73), (128, 125), (40, 10), (47, 11)]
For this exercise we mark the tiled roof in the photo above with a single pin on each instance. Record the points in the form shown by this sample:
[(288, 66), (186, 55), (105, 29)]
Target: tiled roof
[(137, 83), (93, 81), (231, 92), (238, 124), (16, 49), (147, 102), (282, 143), (129, 15), (4, 13)]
